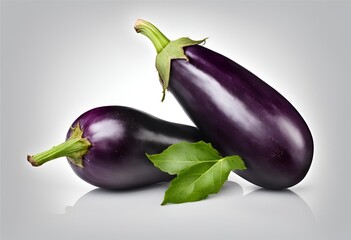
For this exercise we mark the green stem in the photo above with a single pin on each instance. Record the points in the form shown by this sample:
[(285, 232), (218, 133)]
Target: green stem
[(159, 40), (75, 147)]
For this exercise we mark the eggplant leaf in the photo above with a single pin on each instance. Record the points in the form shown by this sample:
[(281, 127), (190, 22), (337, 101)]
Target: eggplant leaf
[(180, 156), (200, 168)]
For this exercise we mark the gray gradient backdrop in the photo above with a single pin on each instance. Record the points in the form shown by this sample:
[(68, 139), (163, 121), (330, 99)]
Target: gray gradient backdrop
[(59, 59)]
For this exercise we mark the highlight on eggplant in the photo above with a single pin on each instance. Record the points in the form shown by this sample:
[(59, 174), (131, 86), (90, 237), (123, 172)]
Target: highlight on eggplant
[(235, 110), (106, 147)]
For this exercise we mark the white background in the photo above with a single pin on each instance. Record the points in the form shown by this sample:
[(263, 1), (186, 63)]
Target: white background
[(61, 58)]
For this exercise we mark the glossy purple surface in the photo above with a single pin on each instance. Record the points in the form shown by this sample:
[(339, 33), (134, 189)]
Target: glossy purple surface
[(241, 114), (120, 137)]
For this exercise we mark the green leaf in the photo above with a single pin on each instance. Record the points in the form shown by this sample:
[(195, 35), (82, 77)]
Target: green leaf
[(200, 168), (201, 180), (180, 156), (174, 50)]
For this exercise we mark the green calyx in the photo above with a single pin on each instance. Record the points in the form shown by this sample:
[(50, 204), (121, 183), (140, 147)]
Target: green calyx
[(74, 148), (174, 50), (166, 50)]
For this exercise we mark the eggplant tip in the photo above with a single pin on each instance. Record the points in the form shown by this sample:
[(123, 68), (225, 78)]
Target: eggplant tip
[(137, 23), (31, 161)]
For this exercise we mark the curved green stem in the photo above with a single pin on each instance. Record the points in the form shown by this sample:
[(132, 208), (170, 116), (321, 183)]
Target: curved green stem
[(159, 40), (75, 147), (166, 50)]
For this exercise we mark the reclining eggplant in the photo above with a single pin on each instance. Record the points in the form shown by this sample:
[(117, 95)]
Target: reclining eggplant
[(106, 147)]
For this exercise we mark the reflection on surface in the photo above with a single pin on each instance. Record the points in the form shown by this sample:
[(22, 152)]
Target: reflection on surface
[(278, 211), (137, 213)]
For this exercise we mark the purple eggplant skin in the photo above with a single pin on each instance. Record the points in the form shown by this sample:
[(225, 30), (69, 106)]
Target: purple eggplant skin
[(120, 137), (241, 114)]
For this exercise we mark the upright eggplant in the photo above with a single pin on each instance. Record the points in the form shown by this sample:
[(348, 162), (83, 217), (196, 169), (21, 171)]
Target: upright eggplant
[(106, 147), (235, 110)]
